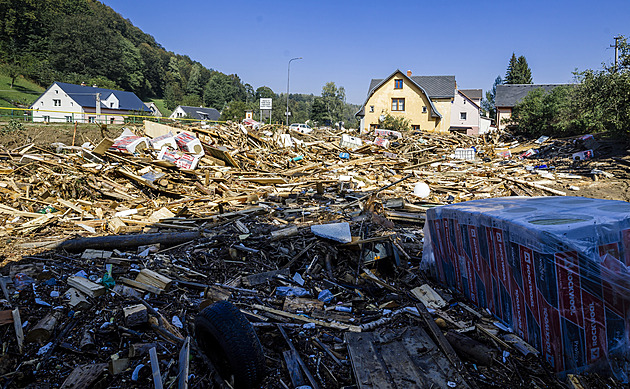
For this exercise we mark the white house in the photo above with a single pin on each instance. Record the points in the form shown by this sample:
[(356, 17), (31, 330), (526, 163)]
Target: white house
[(199, 113), (63, 102), (466, 112), (155, 111)]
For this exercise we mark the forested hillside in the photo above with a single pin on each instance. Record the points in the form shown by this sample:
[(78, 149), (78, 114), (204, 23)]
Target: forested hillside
[(86, 41)]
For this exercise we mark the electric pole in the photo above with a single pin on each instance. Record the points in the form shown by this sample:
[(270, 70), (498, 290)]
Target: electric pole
[(616, 46)]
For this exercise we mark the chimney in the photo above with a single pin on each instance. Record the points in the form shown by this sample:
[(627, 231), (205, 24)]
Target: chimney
[(83, 84), (408, 73)]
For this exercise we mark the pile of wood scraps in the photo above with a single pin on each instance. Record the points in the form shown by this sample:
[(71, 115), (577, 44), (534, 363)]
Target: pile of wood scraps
[(112, 252)]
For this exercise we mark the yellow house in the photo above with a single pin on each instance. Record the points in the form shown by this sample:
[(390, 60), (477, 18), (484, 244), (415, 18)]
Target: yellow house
[(424, 100)]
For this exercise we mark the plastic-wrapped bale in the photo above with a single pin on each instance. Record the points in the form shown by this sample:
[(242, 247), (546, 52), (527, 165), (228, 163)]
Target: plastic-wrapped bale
[(554, 269)]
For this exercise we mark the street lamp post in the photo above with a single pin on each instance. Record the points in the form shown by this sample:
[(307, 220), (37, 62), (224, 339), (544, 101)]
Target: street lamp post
[(288, 76)]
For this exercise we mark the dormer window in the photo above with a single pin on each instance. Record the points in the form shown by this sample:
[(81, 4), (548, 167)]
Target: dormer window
[(398, 84)]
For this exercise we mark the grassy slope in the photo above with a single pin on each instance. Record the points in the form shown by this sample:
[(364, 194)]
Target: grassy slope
[(24, 92), (162, 107)]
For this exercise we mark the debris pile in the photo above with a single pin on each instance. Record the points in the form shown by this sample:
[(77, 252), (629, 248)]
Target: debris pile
[(122, 255)]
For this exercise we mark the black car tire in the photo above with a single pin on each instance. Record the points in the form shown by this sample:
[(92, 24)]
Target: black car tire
[(229, 340)]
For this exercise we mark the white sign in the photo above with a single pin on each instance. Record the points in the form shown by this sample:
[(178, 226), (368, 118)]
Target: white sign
[(265, 103)]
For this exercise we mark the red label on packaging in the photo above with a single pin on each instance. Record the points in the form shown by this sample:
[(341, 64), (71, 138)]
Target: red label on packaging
[(529, 279), (520, 324), (499, 252), (569, 286), (625, 241), (594, 329), (550, 330), (474, 247)]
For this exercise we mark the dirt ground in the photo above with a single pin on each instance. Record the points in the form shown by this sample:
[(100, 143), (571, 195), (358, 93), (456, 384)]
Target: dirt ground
[(45, 135)]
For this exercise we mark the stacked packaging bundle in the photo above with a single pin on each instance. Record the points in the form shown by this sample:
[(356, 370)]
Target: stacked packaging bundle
[(554, 269)]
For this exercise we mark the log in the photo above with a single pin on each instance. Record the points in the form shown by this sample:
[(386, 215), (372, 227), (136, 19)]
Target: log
[(470, 349), (135, 315), (140, 349), (110, 242), (87, 341), (44, 329)]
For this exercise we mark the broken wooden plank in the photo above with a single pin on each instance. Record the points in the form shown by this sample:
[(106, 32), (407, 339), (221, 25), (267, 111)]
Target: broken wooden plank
[(17, 325), (141, 286), (155, 369), (153, 278), (184, 364), (339, 326), (84, 376), (390, 359), (86, 286)]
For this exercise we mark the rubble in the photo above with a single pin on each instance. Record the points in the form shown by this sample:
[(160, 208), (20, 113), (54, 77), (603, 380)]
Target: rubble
[(113, 253)]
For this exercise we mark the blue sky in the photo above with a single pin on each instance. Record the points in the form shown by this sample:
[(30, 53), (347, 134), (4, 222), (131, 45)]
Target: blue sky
[(351, 42)]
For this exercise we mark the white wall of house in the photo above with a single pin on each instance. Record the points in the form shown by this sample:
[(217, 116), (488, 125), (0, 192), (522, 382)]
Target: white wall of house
[(465, 113), (111, 102), (484, 125), (56, 106), (178, 113), (107, 116)]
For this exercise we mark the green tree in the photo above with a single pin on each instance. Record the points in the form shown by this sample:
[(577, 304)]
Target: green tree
[(234, 111), (523, 72), (518, 71), (488, 103), (511, 69), (604, 101), (395, 123), (320, 113), (334, 99), (550, 113), (264, 92)]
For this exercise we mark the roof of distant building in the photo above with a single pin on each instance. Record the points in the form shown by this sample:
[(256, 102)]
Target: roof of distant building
[(509, 95), (201, 113), (473, 94)]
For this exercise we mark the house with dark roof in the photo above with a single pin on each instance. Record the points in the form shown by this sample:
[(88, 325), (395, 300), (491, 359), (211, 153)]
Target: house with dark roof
[(155, 111), (424, 100), (466, 113), (508, 95), (63, 102), (198, 113)]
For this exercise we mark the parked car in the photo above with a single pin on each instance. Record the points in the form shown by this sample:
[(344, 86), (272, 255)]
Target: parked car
[(301, 127)]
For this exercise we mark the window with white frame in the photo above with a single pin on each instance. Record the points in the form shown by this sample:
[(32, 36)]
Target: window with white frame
[(424, 109), (57, 102), (398, 104), (371, 108), (462, 115), (68, 119), (92, 119)]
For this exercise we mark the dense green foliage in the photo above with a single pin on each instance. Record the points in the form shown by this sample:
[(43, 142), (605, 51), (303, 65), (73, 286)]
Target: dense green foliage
[(396, 123), (518, 71), (488, 102), (599, 101), (79, 41)]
